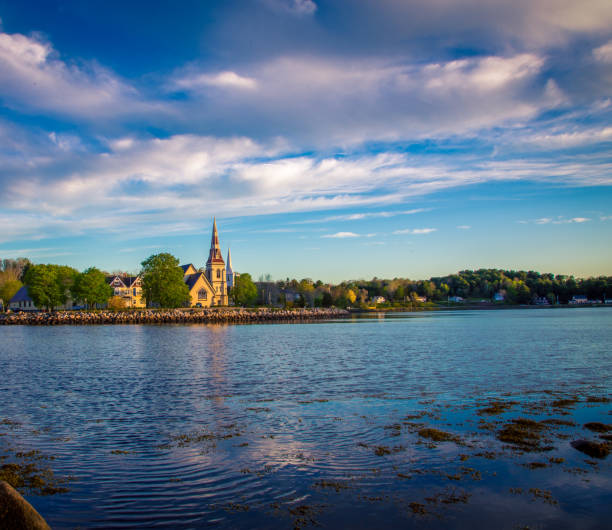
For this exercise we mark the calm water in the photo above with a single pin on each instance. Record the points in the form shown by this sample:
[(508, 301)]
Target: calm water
[(297, 425)]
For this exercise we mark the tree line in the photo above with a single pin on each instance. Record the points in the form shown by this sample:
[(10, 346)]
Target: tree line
[(515, 287), (50, 286)]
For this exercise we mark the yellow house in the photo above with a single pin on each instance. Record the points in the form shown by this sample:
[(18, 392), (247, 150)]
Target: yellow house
[(209, 287), (129, 288)]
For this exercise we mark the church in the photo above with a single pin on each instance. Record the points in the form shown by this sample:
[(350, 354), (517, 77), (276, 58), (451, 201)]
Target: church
[(210, 286)]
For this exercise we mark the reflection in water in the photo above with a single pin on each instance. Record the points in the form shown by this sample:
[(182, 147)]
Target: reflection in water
[(427, 419)]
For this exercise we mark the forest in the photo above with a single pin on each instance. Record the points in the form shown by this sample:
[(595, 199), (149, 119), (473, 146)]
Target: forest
[(512, 287)]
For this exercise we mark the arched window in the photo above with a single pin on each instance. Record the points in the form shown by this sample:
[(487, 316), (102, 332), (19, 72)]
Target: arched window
[(218, 273), (202, 294)]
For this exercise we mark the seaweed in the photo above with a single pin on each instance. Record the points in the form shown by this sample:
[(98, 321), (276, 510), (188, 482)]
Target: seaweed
[(590, 448), (437, 435)]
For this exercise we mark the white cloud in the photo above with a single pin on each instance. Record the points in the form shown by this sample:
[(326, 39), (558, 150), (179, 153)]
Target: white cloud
[(227, 79), (345, 100), (464, 227), (559, 220), (360, 216), (416, 231), (604, 52), (33, 76), (342, 235), (294, 7)]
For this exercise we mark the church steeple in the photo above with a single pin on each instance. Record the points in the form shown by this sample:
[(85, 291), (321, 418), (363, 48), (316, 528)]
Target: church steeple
[(215, 269), (229, 261), (214, 255)]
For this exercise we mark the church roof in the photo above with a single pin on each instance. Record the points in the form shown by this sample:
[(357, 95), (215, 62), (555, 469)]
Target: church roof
[(185, 267), (191, 280)]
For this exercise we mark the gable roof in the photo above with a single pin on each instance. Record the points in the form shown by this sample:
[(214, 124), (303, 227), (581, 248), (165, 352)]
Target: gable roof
[(127, 281), (192, 279), (21, 295), (186, 267)]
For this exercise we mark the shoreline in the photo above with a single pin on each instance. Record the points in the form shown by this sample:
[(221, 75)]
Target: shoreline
[(171, 316), (480, 307)]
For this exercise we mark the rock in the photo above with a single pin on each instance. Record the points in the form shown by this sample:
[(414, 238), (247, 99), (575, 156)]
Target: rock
[(593, 449), (16, 513)]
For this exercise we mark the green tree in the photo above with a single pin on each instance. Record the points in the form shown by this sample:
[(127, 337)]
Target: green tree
[(8, 290), (90, 286), (244, 291), (49, 285), (162, 281)]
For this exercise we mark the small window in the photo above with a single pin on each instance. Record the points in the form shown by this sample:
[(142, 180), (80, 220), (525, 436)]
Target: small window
[(218, 273), (202, 294), (134, 291)]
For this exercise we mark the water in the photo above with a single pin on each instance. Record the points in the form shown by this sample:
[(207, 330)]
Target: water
[(298, 425)]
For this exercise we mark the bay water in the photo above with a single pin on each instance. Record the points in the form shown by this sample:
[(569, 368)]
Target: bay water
[(433, 419)]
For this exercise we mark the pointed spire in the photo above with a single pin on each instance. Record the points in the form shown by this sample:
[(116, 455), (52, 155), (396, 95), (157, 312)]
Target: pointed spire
[(215, 250), (229, 261), (214, 242)]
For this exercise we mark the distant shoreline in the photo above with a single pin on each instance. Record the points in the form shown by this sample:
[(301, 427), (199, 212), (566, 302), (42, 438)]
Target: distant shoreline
[(472, 307), (171, 316)]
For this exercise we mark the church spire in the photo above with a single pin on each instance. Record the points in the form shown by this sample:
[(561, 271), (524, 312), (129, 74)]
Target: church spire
[(229, 261), (214, 256)]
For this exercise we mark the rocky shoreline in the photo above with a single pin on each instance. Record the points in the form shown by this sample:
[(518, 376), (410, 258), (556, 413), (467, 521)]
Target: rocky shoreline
[(171, 316)]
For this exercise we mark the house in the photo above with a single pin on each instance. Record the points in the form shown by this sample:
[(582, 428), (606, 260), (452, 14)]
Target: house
[(378, 299), (456, 299), (578, 299), (541, 300), (210, 287), (129, 288), (23, 302), (422, 299)]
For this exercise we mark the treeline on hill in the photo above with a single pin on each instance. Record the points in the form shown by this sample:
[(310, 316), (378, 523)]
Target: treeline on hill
[(51, 285), (516, 287)]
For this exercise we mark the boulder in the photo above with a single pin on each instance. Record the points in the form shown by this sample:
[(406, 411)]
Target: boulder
[(17, 513)]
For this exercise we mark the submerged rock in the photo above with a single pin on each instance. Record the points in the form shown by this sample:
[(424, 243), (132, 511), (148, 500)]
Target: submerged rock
[(593, 449), (17, 513)]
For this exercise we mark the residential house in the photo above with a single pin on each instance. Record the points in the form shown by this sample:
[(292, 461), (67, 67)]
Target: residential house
[(129, 288), (23, 302), (579, 299)]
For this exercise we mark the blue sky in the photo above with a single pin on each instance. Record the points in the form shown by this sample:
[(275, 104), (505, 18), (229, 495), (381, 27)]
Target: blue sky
[(332, 140)]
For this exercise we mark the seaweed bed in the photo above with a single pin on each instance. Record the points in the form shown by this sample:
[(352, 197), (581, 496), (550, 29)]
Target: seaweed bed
[(421, 471)]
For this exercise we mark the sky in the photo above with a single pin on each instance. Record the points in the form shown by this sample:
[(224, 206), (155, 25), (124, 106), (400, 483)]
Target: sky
[(333, 140)]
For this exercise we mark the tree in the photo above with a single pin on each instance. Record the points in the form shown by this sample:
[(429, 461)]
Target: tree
[(116, 302), (90, 286), (162, 281), (327, 300), (351, 296), (8, 290), (244, 291), (49, 285)]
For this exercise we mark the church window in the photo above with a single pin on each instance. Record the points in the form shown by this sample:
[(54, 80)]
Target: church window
[(218, 273), (202, 294)]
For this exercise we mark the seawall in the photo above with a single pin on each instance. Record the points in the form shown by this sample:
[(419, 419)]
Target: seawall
[(171, 316)]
